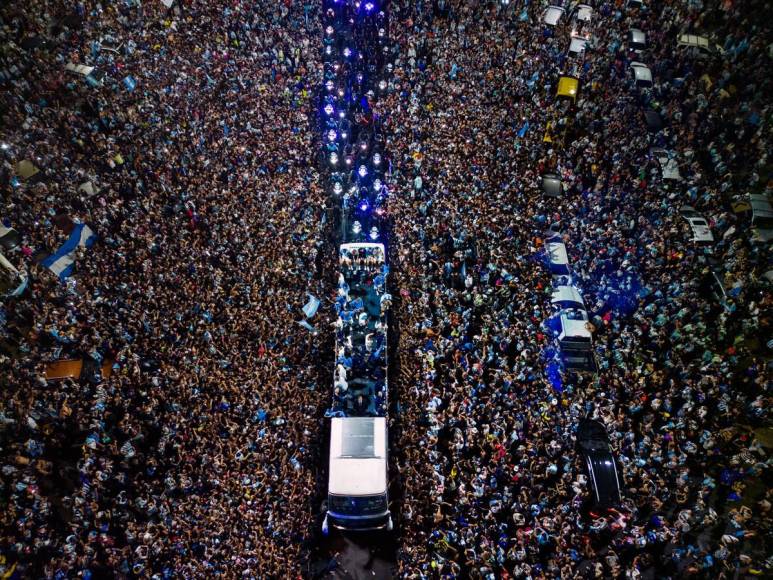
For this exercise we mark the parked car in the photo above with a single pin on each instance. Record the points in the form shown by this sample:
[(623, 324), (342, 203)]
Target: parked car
[(551, 184), (669, 168), (596, 452), (577, 45), (701, 232), (637, 40), (552, 15), (653, 120), (582, 17), (642, 75), (699, 45)]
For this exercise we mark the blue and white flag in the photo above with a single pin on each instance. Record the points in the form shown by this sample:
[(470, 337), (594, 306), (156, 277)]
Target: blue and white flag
[(62, 261), (311, 307), (129, 83), (307, 326)]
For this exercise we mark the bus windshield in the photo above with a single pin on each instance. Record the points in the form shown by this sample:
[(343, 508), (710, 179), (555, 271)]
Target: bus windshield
[(354, 505)]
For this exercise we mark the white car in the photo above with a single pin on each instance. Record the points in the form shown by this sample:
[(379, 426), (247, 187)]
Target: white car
[(700, 44), (577, 45), (641, 74), (701, 232), (669, 168), (552, 15), (581, 20), (637, 40)]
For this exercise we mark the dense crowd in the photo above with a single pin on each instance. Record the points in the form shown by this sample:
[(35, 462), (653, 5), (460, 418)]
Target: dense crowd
[(197, 456), (493, 487)]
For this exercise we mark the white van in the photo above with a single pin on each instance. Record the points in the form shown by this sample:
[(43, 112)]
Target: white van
[(358, 484)]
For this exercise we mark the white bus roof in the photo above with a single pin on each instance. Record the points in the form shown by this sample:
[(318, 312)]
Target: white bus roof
[(557, 253), (358, 456), (574, 328), (565, 294)]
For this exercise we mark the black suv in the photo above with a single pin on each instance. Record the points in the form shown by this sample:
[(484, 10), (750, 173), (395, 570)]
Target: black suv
[(593, 445)]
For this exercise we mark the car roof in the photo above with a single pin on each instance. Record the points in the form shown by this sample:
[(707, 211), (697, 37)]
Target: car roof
[(591, 429)]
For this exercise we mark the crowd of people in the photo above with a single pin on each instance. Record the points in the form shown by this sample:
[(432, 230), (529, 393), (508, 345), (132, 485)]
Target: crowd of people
[(492, 484), (198, 455), (199, 452)]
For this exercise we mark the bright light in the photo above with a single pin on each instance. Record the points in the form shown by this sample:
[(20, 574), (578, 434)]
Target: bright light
[(377, 185), (364, 205), (364, 145), (376, 159), (363, 171), (329, 30), (369, 6), (347, 52), (337, 189), (344, 135), (359, 77), (4, 146), (381, 32), (382, 85), (333, 158), (348, 160), (374, 233), (331, 135), (340, 92), (329, 109), (341, 114), (328, 50), (329, 85), (356, 227)]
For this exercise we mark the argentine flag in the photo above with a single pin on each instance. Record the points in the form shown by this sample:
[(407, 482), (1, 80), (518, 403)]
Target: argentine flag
[(62, 261)]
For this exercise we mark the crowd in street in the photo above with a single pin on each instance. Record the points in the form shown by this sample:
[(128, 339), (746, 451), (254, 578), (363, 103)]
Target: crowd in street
[(198, 455), (492, 485)]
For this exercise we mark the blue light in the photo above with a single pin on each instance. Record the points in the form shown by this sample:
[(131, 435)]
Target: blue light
[(364, 205), (329, 109), (373, 233), (363, 171), (369, 6), (347, 52), (329, 85), (376, 159), (331, 135)]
